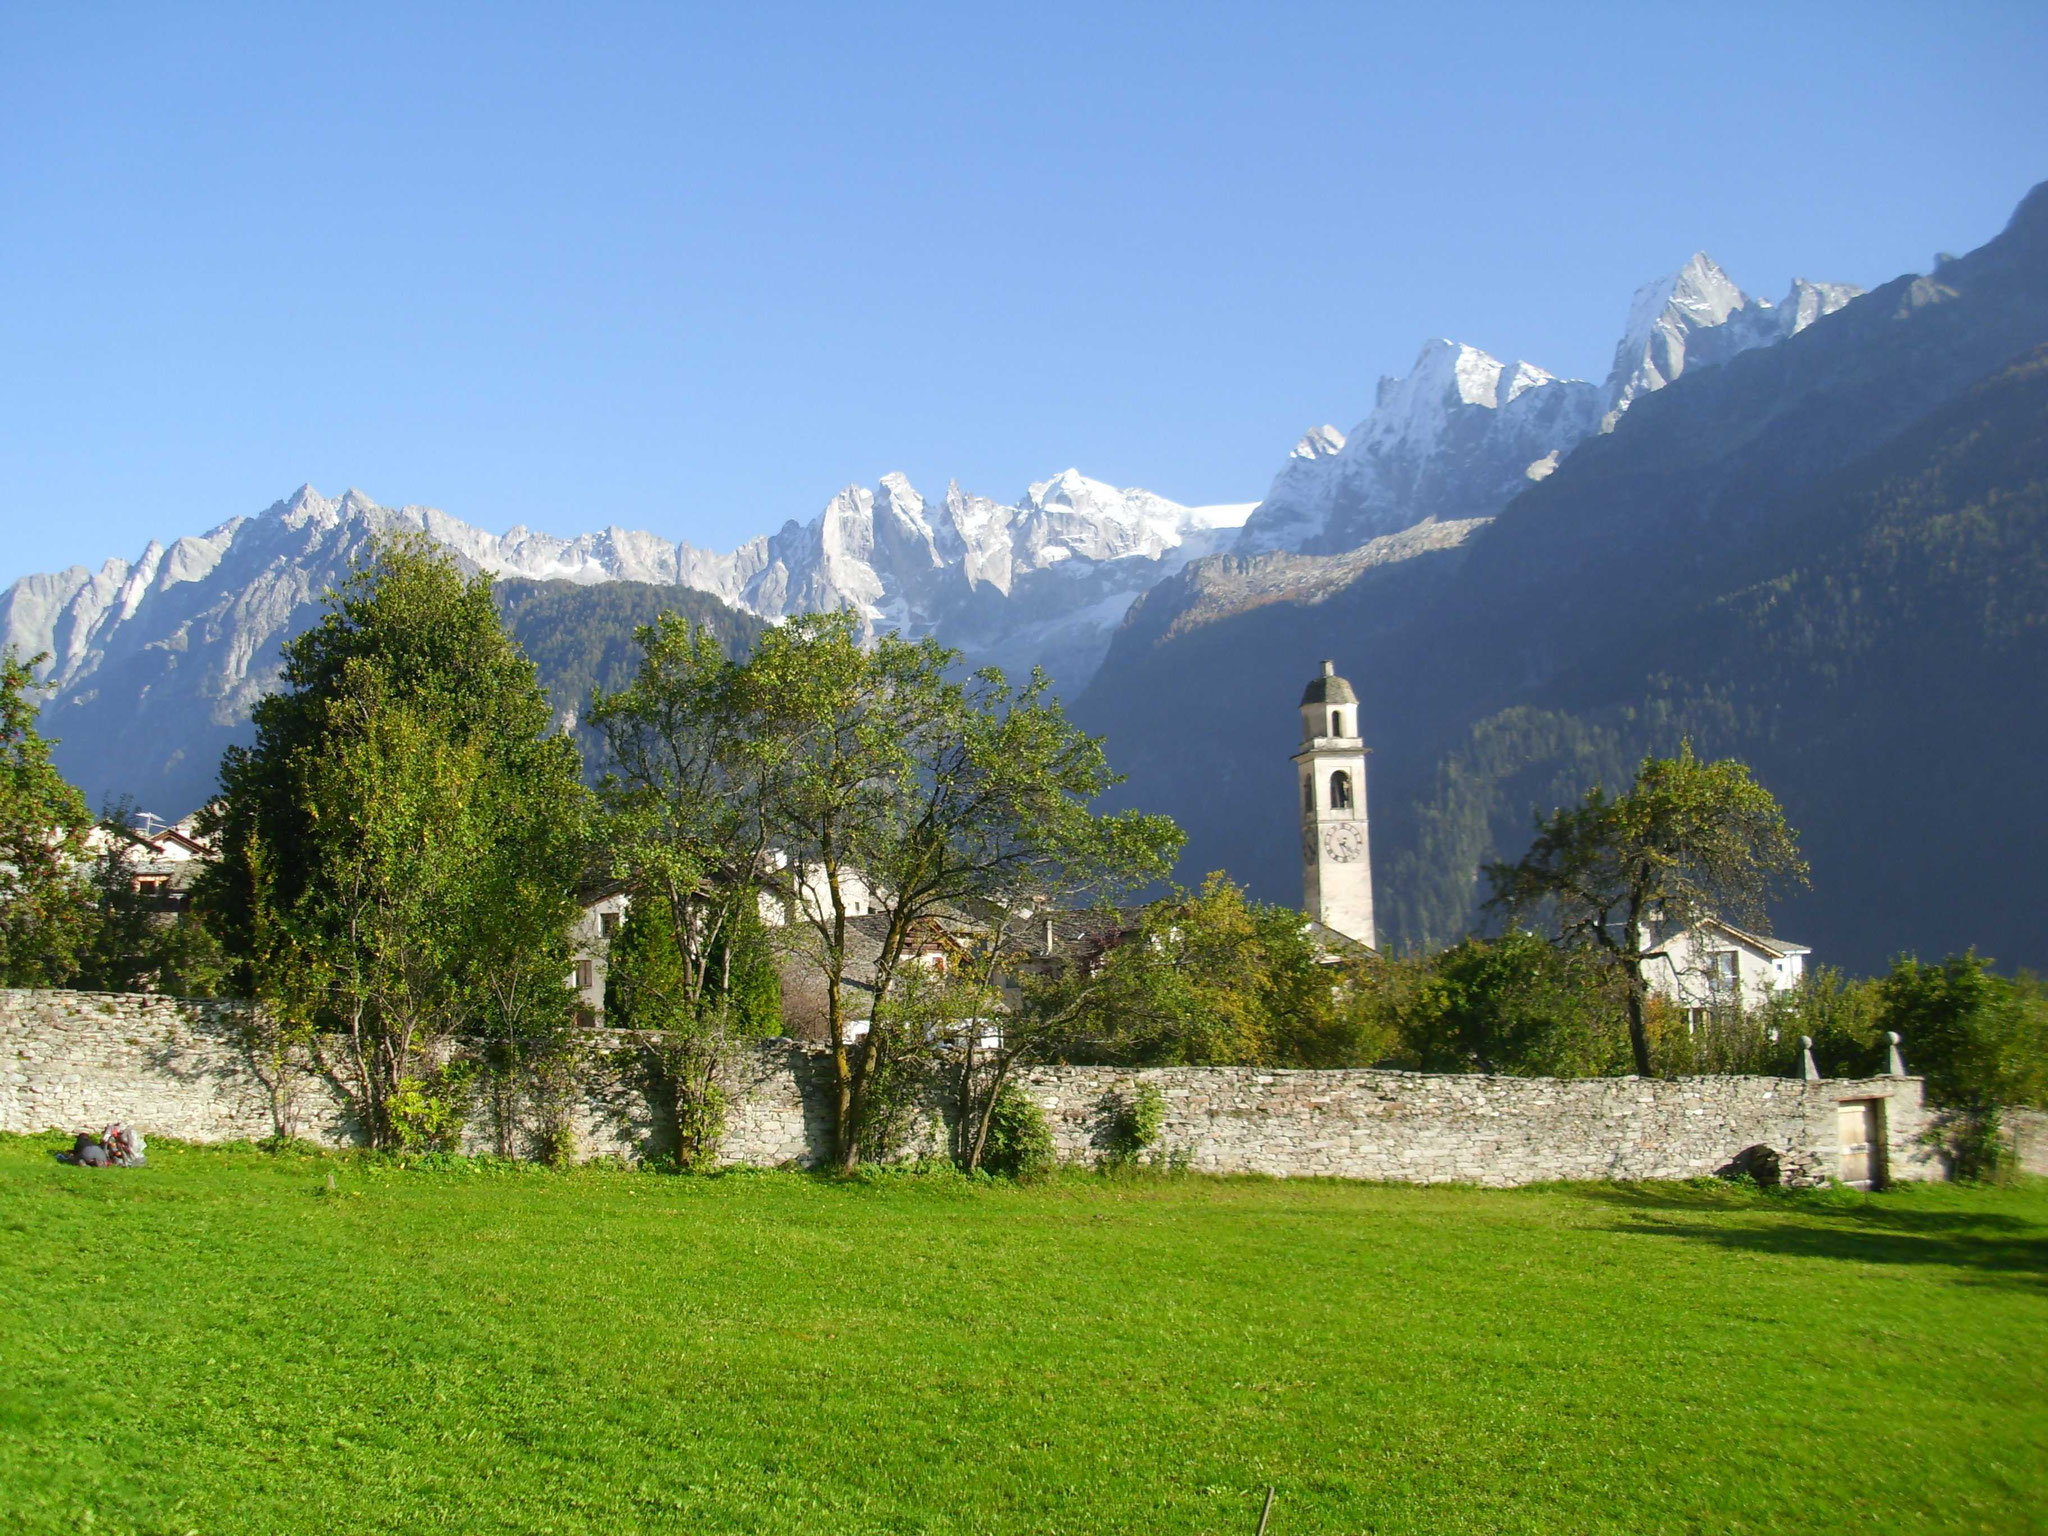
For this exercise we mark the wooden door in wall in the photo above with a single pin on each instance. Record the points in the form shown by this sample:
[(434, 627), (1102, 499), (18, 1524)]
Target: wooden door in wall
[(1860, 1135)]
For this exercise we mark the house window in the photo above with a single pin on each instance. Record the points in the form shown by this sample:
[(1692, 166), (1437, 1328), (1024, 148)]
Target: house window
[(1340, 791), (608, 923), (1722, 968), (586, 975)]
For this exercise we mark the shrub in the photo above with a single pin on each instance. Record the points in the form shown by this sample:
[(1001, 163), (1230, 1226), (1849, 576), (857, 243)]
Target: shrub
[(1136, 1123), (427, 1114), (1019, 1141)]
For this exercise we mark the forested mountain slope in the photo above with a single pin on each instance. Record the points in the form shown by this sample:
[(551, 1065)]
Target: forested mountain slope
[(581, 636), (1824, 556)]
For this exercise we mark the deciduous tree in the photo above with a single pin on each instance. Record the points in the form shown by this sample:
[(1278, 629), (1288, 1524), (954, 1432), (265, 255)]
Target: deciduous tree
[(46, 903), (930, 794), (1689, 839), (400, 848)]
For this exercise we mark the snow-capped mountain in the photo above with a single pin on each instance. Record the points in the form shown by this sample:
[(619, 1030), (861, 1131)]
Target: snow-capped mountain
[(1696, 317), (187, 637), (156, 662), (1464, 432)]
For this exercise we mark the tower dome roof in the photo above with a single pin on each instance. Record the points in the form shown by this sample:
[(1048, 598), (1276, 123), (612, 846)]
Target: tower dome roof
[(1328, 689)]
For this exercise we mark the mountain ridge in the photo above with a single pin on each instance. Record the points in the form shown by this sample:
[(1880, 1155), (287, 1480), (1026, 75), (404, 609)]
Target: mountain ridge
[(185, 637), (1575, 631)]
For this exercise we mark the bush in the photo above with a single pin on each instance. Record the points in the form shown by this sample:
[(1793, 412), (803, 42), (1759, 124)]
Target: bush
[(1019, 1142), (1975, 1142), (1136, 1123), (427, 1114)]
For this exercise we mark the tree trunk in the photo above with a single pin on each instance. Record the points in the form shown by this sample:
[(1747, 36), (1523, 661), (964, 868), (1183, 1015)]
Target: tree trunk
[(854, 1098), (988, 1110), (1638, 1032), (963, 1105)]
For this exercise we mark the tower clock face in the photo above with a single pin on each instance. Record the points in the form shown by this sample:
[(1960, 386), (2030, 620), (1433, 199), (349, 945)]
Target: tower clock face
[(1343, 844), (1308, 845)]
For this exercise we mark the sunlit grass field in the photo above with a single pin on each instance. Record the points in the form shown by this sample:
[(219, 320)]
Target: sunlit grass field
[(219, 1343)]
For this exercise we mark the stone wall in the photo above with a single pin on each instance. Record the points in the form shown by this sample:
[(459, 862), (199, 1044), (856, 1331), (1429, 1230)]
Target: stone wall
[(1413, 1127), (77, 1060), (2027, 1130)]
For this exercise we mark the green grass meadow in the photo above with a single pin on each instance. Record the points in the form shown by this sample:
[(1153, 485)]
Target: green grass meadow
[(219, 1343)]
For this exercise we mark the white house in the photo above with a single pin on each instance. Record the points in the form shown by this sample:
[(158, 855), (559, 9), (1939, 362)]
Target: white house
[(1715, 965), (603, 910), (163, 857)]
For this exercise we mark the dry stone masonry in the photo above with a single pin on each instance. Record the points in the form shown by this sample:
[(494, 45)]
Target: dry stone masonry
[(73, 1060)]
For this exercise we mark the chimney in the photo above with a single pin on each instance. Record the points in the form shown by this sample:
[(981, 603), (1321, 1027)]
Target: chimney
[(1329, 669)]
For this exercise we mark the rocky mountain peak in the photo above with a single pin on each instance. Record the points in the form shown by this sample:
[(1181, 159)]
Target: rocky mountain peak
[(1462, 433)]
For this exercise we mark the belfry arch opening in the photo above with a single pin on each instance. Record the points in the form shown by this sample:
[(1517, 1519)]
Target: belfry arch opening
[(1340, 791)]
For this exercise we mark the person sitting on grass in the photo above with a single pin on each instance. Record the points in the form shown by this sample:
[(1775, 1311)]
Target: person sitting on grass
[(118, 1146)]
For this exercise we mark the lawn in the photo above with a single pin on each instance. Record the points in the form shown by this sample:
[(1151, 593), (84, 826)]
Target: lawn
[(221, 1343)]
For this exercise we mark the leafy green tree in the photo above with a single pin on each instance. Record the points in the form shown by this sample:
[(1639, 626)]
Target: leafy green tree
[(933, 795), (1212, 978), (683, 794), (689, 765), (1513, 1004), (649, 987), (46, 903), (1980, 1039), (1019, 1143), (1690, 839), (400, 848), (1981, 1042)]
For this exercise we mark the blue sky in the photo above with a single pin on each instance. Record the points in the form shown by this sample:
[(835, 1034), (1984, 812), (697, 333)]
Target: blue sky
[(694, 269)]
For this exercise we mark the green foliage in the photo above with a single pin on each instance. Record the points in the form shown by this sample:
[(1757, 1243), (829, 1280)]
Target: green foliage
[(1020, 1144), (1613, 874), (645, 986), (427, 1112), (745, 976), (855, 762), (138, 942), (401, 846), (1843, 1017), (648, 987), (1137, 1123), (682, 799), (1213, 978), (1980, 1040), (1513, 1004), (46, 907)]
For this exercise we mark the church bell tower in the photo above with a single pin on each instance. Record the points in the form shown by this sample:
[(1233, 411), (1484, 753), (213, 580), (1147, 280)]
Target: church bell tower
[(1336, 861)]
